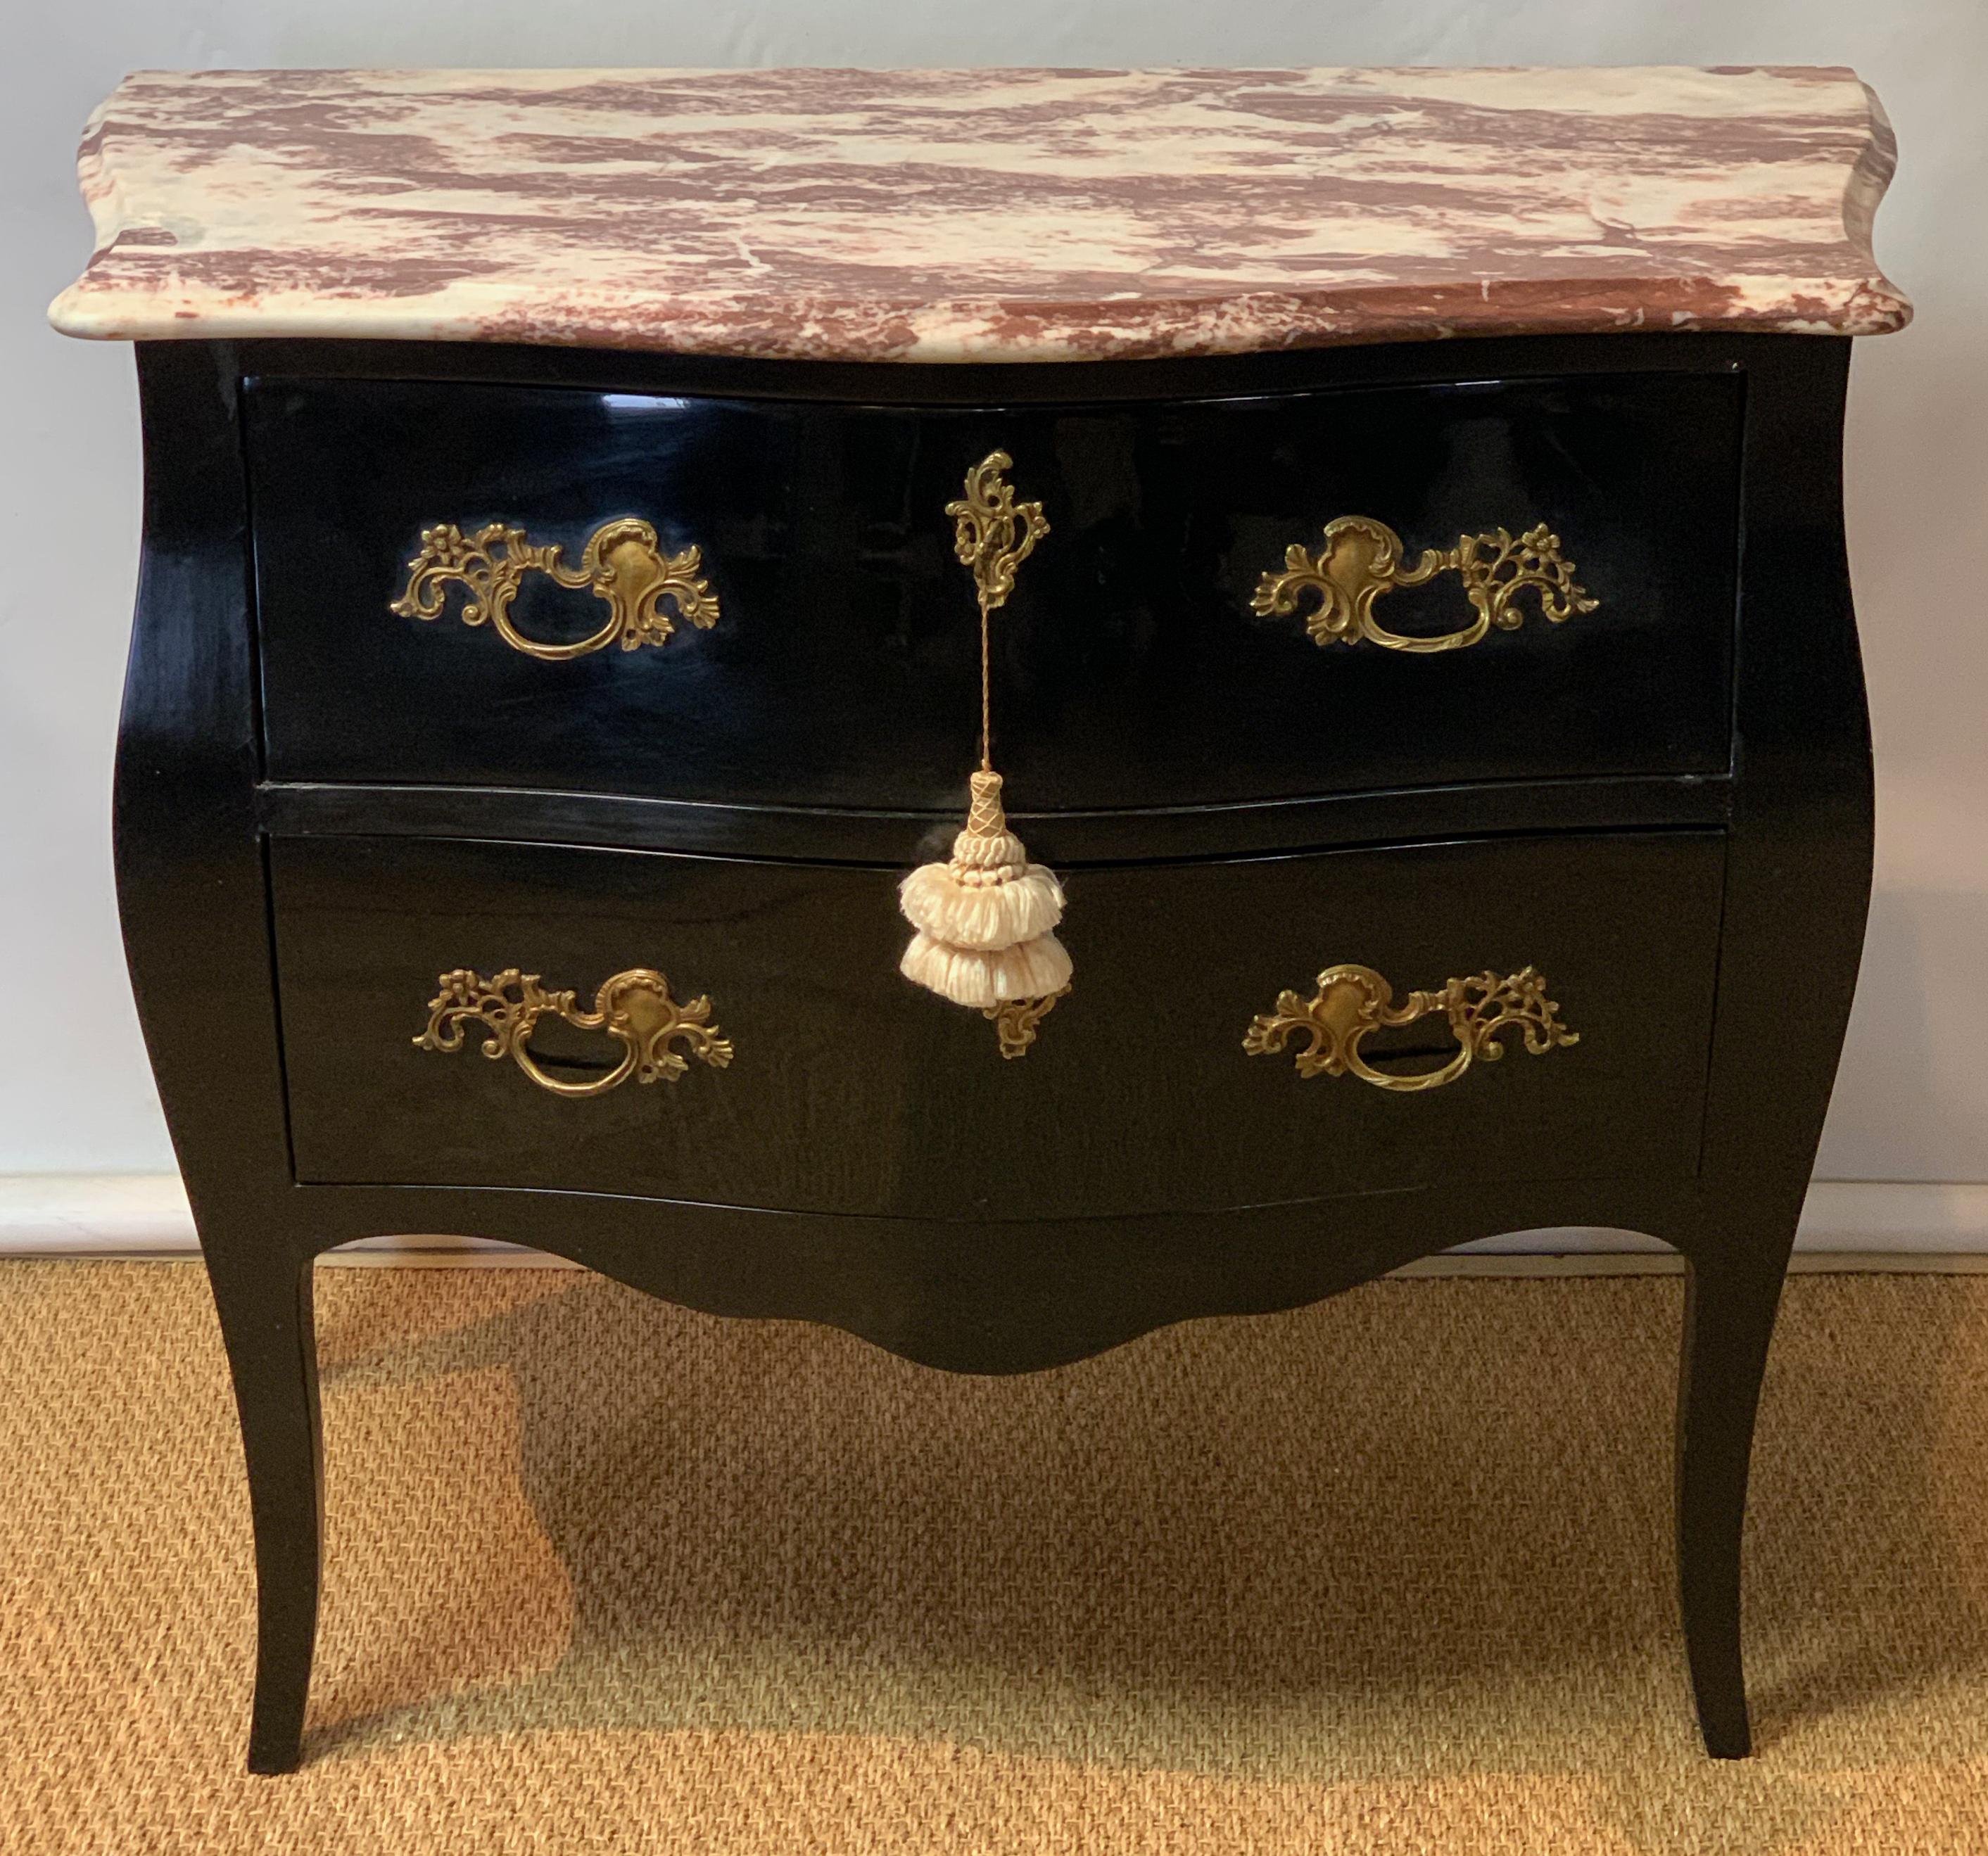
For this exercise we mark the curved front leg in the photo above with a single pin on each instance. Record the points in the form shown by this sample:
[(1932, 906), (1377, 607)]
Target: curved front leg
[(1730, 1302), (266, 1326)]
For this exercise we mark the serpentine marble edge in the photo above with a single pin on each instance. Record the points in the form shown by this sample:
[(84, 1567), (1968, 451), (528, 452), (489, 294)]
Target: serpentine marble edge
[(990, 215)]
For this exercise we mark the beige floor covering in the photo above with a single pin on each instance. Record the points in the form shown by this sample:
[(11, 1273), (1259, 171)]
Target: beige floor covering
[(1391, 1574)]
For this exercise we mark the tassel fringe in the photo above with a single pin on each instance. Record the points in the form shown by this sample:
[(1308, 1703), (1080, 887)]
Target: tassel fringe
[(984, 919), (985, 977), (966, 908)]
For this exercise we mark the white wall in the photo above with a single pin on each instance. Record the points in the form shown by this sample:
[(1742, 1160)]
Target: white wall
[(74, 1095)]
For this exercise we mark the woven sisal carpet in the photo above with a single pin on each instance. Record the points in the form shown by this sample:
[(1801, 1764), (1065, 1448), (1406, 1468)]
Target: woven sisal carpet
[(1389, 1575)]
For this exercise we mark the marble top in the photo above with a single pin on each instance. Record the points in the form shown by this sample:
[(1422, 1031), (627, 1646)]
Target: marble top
[(992, 216)]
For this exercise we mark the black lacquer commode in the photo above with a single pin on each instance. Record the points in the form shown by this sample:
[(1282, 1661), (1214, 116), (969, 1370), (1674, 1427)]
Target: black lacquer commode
[(1642, 833)]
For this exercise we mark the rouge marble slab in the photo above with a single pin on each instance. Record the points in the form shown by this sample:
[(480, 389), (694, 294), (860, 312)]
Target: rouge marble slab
[(989, 215)]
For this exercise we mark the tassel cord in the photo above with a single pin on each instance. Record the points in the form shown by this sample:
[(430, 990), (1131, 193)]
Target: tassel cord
[(986, 918), (986, 688)]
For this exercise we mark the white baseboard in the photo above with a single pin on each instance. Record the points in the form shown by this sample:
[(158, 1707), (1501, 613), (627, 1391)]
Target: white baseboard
[(1864, 1218), (1845, 1224), (141, 1214)]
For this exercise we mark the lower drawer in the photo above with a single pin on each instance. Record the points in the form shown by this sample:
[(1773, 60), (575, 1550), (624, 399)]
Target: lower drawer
[(850, 1090)]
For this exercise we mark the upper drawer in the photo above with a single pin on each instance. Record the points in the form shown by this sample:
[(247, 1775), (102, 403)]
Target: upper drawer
[(1130, 667)]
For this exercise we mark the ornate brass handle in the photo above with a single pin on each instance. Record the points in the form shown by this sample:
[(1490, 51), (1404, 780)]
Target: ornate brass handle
[(1362, 558), (634, 1007), (621, 565), (1353, 1001)]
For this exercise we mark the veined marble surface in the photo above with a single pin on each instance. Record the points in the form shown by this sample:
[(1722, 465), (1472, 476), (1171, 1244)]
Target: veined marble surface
[(1000, 215)]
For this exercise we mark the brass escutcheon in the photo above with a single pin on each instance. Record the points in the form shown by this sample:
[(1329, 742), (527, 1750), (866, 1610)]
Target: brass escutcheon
[(1015, 1020)]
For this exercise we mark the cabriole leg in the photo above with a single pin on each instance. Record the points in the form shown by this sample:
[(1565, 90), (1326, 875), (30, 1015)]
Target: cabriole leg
[(266, 1325), (1730, 1311)]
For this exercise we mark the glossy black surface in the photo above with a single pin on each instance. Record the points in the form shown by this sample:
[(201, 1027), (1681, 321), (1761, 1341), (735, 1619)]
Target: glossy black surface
[(1131, 671), (1064, 839), (194, 805), (854, 1091)]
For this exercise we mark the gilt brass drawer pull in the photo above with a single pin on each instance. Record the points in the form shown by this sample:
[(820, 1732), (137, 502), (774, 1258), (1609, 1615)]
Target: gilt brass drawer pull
[(1362, 558), (1353, 1001), (621, 565), (634, 1007)]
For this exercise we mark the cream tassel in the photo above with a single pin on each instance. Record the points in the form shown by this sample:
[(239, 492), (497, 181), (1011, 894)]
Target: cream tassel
[(984, 919)]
